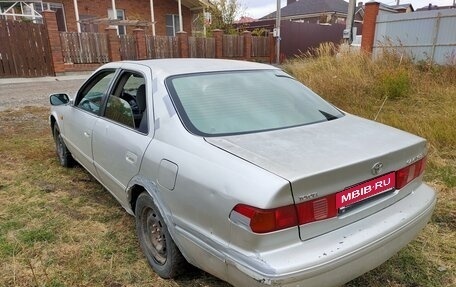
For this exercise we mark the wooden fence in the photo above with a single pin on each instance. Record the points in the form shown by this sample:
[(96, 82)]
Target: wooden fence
[(233, 46), (84, 48), (88, 48), (24, 50), (200, 47), (128, 47), (260, 46), (159, 47)]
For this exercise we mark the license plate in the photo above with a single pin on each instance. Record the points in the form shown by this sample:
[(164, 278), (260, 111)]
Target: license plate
[(365, 190)]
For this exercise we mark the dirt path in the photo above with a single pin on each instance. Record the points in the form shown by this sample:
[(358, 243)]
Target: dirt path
[(35, 92)]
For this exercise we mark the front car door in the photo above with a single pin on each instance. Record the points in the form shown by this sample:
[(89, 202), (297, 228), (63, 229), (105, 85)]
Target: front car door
[(80, 119), (123, 132)]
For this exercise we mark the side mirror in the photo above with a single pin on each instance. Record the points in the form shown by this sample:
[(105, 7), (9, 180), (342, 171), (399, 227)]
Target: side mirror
[(59, 99)]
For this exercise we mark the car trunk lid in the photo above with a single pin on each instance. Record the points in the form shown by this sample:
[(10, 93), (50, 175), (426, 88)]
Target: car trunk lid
[(324, 159)]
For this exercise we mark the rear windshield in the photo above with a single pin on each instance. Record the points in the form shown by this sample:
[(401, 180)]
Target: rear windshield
[(237, 102)]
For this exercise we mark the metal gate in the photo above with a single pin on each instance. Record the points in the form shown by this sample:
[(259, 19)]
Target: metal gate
[(24, 50), (423, 35), (300, 38)]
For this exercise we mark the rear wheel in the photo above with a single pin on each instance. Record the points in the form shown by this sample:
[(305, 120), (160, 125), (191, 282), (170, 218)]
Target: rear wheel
[(63, 154), (156, 243)]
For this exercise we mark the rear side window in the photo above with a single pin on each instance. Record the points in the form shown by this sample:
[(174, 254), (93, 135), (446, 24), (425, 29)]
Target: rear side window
[(127, 103), (227, 103)]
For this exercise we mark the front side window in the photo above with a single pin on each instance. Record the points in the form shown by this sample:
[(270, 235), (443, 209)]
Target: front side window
[(91, 96), (236, 102), (120, 111)]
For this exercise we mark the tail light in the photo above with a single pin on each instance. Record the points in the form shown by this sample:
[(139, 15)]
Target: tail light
[(409, 173), (269, 220), (317, 209)]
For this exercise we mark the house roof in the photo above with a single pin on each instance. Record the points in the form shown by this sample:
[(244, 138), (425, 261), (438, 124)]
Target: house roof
[(435, 7), (245, 19), (402, 6), (306, 7), (396, 8)]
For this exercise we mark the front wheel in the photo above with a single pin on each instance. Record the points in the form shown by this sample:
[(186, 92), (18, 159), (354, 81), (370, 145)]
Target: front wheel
[(156, 243), (63, 154)]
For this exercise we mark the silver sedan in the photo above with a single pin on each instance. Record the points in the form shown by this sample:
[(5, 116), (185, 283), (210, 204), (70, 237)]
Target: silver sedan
[(242, 171)]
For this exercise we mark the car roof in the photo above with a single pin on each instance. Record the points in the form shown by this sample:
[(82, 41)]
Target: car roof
[(169, 67)]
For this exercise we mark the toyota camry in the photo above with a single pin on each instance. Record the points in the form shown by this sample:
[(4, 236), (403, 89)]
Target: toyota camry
[(239, 169)]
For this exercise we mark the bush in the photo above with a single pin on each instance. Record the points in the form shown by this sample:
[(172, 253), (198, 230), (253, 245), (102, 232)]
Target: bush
[(394, 85)]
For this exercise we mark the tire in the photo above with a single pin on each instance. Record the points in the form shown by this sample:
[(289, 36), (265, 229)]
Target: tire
[(156, 243), (63, 154)]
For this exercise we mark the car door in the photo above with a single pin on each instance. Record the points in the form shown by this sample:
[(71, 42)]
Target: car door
[(122, 134), (80, 119)]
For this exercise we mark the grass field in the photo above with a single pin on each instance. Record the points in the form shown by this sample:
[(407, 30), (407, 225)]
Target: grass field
[(59, 227)]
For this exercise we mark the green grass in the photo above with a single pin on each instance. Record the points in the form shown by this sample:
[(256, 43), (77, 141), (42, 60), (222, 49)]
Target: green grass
[(59, 227)]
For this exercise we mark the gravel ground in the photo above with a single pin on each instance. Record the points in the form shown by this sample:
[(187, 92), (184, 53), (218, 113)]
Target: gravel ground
[(18, 93)]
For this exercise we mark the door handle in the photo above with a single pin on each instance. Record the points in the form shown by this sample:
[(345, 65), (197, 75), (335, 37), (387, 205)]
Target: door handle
[(86, 134), (131, 157)]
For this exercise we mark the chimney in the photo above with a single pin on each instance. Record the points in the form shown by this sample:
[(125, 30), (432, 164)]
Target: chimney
[(290, 1)]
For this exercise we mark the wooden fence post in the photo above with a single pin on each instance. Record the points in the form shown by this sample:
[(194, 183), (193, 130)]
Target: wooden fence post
[(50, 21), (218, 36), (272, 48), (247, 51), (182, 43), (370, 20), (141, 48), (113, 44)]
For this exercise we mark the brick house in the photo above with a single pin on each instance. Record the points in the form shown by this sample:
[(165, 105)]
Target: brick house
[(158, 17)]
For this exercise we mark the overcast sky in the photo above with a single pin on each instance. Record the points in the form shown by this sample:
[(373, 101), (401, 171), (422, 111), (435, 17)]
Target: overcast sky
[(260, 8)]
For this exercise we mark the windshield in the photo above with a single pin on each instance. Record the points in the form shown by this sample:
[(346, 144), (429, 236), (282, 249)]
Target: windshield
[(236, 102)]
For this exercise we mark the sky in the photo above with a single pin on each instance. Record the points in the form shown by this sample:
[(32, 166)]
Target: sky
[(259, 8)]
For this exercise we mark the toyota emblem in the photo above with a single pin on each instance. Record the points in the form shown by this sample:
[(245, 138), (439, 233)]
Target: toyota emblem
[(377, 168)]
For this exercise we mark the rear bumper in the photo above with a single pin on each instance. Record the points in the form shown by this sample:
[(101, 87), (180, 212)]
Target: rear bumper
[(339, 256)]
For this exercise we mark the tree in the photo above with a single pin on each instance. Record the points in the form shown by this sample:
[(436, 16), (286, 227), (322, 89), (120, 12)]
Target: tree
[(223, 14)]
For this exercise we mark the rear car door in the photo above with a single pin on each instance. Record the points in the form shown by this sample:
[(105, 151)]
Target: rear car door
[(80, 120), (123, 132)]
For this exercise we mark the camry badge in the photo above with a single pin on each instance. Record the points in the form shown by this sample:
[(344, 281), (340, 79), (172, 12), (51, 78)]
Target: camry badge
[(377, 168)]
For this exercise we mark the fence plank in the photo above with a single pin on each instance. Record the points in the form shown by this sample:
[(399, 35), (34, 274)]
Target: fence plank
[(18, 40), (46, 51)]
